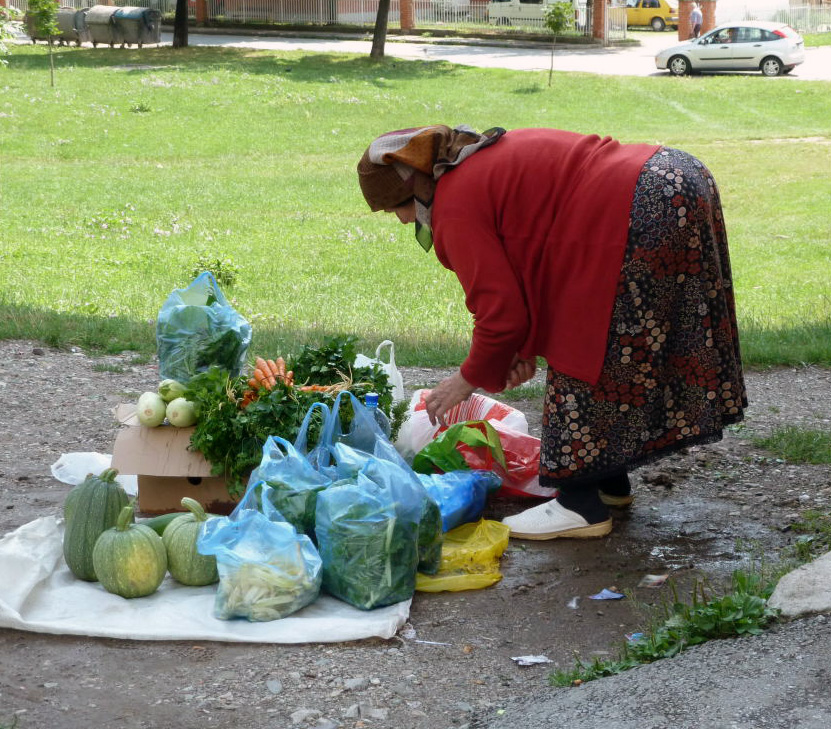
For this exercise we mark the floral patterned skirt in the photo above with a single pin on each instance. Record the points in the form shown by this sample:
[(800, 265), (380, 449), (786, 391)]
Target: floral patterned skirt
[(672, 376)]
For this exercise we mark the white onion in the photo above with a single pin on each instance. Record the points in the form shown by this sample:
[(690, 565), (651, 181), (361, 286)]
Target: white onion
[(181, 413), (150, 409)]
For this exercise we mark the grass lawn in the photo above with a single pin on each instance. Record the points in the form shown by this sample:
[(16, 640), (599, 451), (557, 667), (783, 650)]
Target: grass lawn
[(140, 164), (817, 39)]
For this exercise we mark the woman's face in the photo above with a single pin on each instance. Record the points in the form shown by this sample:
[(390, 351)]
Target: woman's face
[(405, 212)]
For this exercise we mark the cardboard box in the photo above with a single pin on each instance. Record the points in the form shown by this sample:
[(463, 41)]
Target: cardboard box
[(166, 470)]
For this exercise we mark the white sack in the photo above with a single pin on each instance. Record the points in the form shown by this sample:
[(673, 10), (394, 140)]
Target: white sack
[(38, 593)]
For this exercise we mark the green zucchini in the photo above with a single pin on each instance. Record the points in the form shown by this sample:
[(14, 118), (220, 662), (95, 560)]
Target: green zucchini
[(159, 523)]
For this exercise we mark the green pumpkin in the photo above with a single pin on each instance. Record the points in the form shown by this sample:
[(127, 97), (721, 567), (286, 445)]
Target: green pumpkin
[(90, 509), (185, 563), (130, 559)]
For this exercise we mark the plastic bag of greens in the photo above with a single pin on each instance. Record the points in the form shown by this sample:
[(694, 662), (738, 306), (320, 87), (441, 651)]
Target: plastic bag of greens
[(294, 483), (383, 463), (414, 504), (319, 456), (266, 569), (362, 431), (368, 542), (430, 536), (460, 495), (197, 328)]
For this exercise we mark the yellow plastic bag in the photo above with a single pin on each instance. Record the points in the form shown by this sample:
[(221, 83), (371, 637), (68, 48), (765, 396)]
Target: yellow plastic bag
[(469, 558)]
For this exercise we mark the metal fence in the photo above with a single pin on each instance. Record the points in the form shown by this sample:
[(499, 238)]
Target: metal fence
[(806, 18), (616, 22), (430, 14)]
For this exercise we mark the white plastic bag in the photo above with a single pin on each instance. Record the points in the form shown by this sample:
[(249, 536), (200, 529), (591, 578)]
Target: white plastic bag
[(394, 376), (73, 468), (416, 431)]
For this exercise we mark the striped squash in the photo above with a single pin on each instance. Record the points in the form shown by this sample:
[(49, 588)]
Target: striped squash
[(130, 559), (90, 508)]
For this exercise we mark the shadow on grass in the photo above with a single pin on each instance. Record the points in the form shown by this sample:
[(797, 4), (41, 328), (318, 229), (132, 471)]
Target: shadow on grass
[(105, 335), (762, 347), (300, 65), (114, 335), (803, 344)]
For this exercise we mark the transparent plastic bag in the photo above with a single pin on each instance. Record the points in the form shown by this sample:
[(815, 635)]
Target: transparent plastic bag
[(470, 558), (294, 483), (266, 569), (363, 433), (364, 448), (368, 546), (197, 328), (319, 456)]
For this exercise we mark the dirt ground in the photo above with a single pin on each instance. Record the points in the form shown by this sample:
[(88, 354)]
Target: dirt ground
[(695, 517)]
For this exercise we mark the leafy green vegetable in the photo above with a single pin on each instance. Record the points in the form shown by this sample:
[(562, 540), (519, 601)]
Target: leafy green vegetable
[(192, 338), (331, 363), (296, 504), (369, 552), (231, 438), (441, 455), (430, 537)]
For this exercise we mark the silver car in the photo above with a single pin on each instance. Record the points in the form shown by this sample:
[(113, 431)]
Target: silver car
[(772, 48)]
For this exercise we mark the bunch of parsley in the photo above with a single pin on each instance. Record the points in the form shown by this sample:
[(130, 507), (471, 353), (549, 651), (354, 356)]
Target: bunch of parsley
[(231, 438)]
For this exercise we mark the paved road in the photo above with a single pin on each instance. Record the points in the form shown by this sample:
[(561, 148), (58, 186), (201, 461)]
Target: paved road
[(616, 61)]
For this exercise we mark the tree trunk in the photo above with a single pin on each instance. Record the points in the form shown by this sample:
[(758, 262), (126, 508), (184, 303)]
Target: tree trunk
[(379, 35), (551, 67), (180, 25), (51, 65)]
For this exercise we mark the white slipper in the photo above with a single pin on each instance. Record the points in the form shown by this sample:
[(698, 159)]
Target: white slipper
[(551, 520)]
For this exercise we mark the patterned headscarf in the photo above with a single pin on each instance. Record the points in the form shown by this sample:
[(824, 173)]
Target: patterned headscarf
[(407, 164)]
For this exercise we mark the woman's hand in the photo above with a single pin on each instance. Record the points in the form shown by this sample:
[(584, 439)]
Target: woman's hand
[(521, 371), (449, 392)]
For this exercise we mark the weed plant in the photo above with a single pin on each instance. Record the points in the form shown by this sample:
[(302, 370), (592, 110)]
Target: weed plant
[(814, 530), (798, 444), (141, 160), (742, 610)]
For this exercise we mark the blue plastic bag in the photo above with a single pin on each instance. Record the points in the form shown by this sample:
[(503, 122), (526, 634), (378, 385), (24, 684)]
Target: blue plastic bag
[(197, 328), (320, 456), (460, 495), (294, 483), (364, 434), (266, 569), (369, 547), (365, 448)]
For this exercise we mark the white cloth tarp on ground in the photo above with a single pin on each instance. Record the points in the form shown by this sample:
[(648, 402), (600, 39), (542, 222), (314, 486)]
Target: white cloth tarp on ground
[(38, 593)]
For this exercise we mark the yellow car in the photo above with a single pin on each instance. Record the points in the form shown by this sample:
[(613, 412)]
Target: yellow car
[(658, 14)]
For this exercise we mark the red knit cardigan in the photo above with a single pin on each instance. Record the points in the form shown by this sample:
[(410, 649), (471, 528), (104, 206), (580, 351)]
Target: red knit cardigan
[(535, 228)]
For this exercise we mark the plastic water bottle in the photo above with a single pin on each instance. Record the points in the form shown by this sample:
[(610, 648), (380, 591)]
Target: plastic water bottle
[(371, 401)]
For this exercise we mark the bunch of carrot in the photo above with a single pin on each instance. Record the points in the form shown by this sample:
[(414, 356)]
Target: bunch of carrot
[(268, 371), (321, 388), (265, 376)]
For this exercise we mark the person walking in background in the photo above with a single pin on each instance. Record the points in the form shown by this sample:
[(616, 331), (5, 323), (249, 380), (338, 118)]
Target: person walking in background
[(696, 19), (609, 261)]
